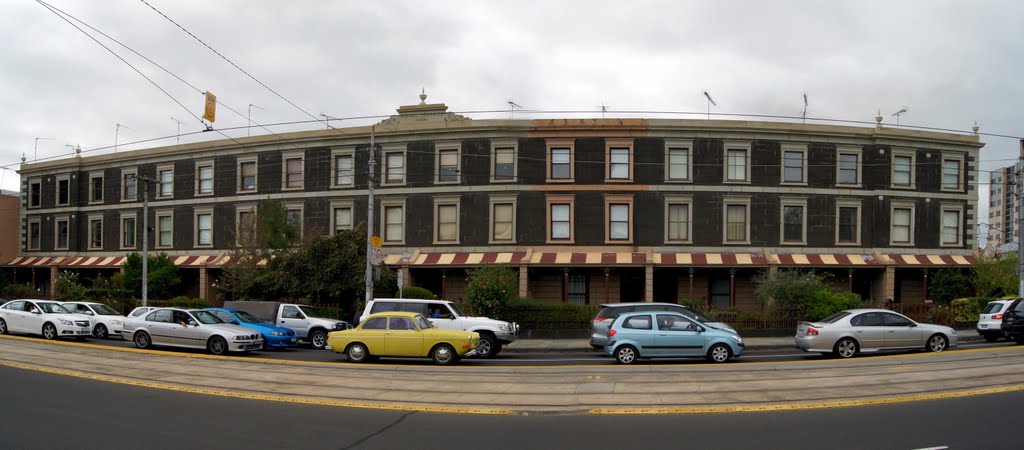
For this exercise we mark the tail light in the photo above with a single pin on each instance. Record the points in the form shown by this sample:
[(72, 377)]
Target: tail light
[(612, 333), (600, 319), (812, 331), (997, 317)]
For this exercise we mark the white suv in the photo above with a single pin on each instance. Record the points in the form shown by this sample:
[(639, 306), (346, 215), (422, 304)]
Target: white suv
[(990, 323), (446, 315)]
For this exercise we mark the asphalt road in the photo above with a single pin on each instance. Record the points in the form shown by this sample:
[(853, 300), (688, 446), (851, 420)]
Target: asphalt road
[(584, 356), (52, 411)]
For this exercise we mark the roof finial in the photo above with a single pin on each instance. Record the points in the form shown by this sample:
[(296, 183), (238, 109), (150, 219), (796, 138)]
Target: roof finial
[(23, 157), (975, 128), (878, 119), (423, 96)]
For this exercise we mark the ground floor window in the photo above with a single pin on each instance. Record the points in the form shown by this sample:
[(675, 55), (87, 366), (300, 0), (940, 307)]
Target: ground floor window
[(577, 289)]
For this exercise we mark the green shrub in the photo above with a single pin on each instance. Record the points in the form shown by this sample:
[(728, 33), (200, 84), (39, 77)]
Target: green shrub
[(491, 288), (825, 303), (968, 309), (162, 276), (24, 290), (533, 315), (68, 288), (417, 292), (182, 302)]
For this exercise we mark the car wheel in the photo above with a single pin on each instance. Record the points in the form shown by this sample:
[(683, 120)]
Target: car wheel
[(991, 337), (49, 331), (100, 331), (488, 346), (845, 348), (626, 354), (937, 343), (719, 353), (142, 339), (357, 353), (318, 339), (3, 327), (444, 355), (217, 345)]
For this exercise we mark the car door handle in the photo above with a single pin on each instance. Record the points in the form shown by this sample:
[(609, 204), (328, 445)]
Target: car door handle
[(892, 331), (860, 331)]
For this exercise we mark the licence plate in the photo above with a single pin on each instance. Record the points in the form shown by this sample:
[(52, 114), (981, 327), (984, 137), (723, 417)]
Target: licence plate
[(253, 347), (293, 340), (982, 326)]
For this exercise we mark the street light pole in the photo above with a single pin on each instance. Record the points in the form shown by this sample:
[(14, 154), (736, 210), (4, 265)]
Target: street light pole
[(369, 217)]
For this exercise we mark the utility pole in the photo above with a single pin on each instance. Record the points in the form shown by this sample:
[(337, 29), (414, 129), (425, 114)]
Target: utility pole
[(369, 217), (145, 239)]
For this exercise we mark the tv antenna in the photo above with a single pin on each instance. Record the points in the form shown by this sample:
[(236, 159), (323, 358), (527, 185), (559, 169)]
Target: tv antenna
[(900, 113), (710, 102), (804, 116), (248, 128), (35, 148), (327, 119), (179, 129), (117, 129), (604, 109), (512, 107)]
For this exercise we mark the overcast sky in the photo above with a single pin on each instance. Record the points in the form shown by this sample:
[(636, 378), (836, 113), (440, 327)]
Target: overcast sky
[(951, 62)]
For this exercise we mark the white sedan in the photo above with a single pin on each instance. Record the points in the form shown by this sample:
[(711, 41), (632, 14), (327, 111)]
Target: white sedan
[(174, 327), (104, 320), (45, 318)]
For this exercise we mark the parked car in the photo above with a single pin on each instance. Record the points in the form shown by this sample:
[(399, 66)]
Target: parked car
[(610, 311), (1013, 321), (403, 334), (273, 335), (494, 334), (45, 318), (990, 322), (306, 321), (638, 335), (104, 320), (174, 327), (847, 333)]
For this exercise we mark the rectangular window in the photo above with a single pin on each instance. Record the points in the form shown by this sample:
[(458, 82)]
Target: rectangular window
[(793, 223), (246, 227), (293, 173), (204, 229), (951, 174), (902, 170), (560, 223), (576, 290), (736, 165), (164, 230), (504, 164), (344, 170), (96, 189), (447, 223), (950, 227), (35, 230), (679, 222), (130, 187), (247, 176), (63, 230), (127, 232), (793, 166), (678, 164), (35, 194), (618, 222), (849, 164), (342, 218), (848, 221), (502, 215), (293, 217), (448, 166), (95, 234), (561, 163), (166, 180), (901, 226), (735, 223), (394, 223), (619, 165), (63, 191), (394, 168), (204, 179)]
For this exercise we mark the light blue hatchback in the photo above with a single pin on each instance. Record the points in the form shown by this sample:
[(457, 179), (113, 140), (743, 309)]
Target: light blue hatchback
[(668, 335)]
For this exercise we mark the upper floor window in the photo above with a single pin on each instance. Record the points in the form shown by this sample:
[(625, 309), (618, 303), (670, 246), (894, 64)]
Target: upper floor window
[(950, 234), (128, 232), (35, 194), (619, 160), (164, 229), (341, 216), (848, 167), (848, 222), (952, 173), (560, 160), (394, 166), (129, 186), (794, 164), (447, 165), (794, 221), (619, 218), (677, 159), (204, 178), (293, 171), (678, 219), (503, 166), (62, 232), (737, 223), (737, 162), (293, 217), (95, 233), (393, 223), (204, 228), (245, 226), (560, 217), (902, 169), (902, 224), (446, 221), (165, 180), (63, 190), (503, 219), (35, 231), (247, 175), (343, 168), (95, 188)]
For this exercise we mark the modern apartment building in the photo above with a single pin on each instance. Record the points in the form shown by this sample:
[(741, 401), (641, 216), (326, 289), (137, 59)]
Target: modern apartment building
[(1002, 219)]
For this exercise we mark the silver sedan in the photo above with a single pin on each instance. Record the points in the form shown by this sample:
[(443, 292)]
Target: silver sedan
[(853, 331)]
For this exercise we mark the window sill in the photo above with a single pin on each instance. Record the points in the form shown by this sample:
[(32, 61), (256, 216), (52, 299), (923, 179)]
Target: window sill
[(901, 244), (793, 244), (249, 191), (496, 180), (736, 243), (847, 244), (679, 181), (560, 241), (392, 184), (736, 182), (492, 242), (342, 186), (618, 180), (793, 183), (849, 186), (441, 183), (561, 180), (207, 194), (292, 189), (618, 241), (903, 187)]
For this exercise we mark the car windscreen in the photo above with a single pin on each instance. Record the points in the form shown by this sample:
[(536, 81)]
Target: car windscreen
[(835, 317), (422, 322), (456, 310), (993, 308), (246, 317), (206, 317), (105, 310), (53, 308)]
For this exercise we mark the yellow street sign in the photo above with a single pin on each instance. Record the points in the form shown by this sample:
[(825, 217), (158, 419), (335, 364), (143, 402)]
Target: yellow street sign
[(375, 241), (210, 113)]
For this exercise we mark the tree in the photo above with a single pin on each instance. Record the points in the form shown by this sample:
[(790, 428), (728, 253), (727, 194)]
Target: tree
[(491, 288), (944, 285), (262, 233), (164, 279), (68, 288), (995, 276)]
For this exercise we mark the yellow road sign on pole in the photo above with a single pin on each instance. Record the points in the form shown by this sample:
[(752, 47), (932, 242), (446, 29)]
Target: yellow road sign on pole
[(210, 113), (375, 241)]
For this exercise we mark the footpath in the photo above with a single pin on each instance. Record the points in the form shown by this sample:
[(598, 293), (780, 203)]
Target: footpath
[(648, 388)]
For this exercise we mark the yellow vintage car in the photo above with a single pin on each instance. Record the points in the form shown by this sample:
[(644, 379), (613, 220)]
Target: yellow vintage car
[(403, 334)]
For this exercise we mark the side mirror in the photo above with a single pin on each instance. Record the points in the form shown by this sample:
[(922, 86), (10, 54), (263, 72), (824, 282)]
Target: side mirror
[(701, 329), (235, 322), (912, 324)]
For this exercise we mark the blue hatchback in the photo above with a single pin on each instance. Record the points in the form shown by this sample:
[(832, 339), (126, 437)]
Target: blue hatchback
[(668, 335), (273, 336)]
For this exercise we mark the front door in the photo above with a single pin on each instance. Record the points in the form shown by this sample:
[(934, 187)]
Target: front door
[(901, 332), (292, 318), (677, 336), (402, 338)]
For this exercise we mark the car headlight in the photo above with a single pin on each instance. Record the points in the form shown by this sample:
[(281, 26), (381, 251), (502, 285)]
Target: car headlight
[(277, 333), (67, 322), (737, 338)]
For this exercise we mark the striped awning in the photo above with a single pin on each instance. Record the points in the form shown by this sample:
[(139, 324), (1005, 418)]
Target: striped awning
[(227, 260), (932, 260), (826, 260), (69, 261), (709, 259), (193, 260), (603, 259), (459, 259)]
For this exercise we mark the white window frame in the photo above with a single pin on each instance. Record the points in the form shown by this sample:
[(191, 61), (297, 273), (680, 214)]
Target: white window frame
[(124, 186), (160, 182), (794, 148), (678, 144), (552, 144), (90, 221), (859, 224), (913, 168), (288, 156), (679, 200), (92, 192), (240, 180), (124, 217), (849, 150), (349, 152), (893, 206), (739, 146), (561, 199), (447, 201), (56, 189), (156, 226), (618, 200), (502, 144), (198, 177), (56, 232), (392, 203), (447, 147), (342, 204), (195, 227), (38, 222), (735, 201), (496, 200), (619, 144), (389, 150), (245, 208), (28, 199), (798, 202), (299, 206), (960, 159), (959, 210)]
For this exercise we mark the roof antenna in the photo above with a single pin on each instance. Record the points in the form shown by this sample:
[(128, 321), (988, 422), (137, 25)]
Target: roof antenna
[(512, 107), (710, 102), (179, 130), (804, 116), (35, 148), (604, 109), (117, 128), (900, 113)]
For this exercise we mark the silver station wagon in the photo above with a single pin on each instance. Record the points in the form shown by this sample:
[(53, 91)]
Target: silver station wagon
[(847, 333)]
